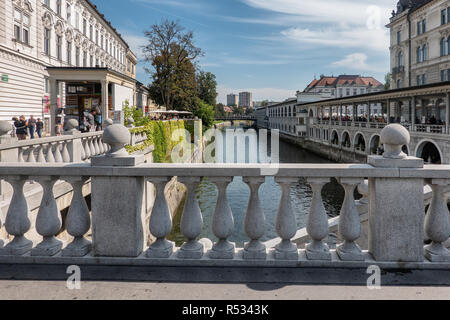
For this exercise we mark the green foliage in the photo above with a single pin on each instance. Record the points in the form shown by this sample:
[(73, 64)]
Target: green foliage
[(207, 87), (135, 113), (219, 111), (206, 113), (159, 134), (387, 80)]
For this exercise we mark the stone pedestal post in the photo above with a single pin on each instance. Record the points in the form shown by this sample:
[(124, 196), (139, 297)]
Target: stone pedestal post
[(74, 147), (396, 205), (117, 202)]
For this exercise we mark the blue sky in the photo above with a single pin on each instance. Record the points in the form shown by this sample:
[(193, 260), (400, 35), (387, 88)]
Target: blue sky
[(270, 47)]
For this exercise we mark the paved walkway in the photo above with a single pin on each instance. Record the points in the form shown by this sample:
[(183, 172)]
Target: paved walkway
[(181, 291)]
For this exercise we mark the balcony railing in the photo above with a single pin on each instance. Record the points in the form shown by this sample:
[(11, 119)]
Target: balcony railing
[(397, 70)]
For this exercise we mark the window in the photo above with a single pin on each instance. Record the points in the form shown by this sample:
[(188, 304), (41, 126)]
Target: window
[(58, 7), (399, 37), (97, 62), (444, 47), (47, 41), (77, 56), (77, 21), (96, 37), (21, 27), (91, 60), (85, 27), (444, 16), (69, 52), (424, 52), (91, 33), (348, 92), (421, 27), (340, 92), (399, 83), (400, 59), (84, 59), (101, 41), (355, 92), (69, 13), (443, 75), (59, 48)]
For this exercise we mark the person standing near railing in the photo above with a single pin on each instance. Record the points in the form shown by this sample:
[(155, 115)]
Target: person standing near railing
[(39, 127), (21, 128), (31, 124)]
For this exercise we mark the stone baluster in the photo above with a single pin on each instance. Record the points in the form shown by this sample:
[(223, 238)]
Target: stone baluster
[(87, 149), (58, 155), (17, 222), (41, 157), (95, 145), (349, 222), (78, 220), (48, 221), (317, 224), (20, 156), (91, 146), (83, 153), (65, 152), (255, 221), (101, 147), (31, 158), (223, 222), (286, 224), (160, 222), (437, 223), (49, 157), (191, 222)]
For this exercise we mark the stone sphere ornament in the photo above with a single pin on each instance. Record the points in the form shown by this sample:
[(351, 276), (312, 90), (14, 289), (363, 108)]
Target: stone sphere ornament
[(107, 123), (71, 125), (5, 128), (394, 137), (117, 136)]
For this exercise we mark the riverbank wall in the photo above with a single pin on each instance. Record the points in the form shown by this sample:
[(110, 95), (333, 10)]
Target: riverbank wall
[(330, 152)]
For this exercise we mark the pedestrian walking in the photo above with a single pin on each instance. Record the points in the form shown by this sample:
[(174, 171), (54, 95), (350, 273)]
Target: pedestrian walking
[(21, 128), (39, 127), (31, 124)]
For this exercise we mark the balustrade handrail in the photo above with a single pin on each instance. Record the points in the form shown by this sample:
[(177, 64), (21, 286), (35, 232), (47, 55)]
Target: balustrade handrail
[(224, 170), (14, 144)]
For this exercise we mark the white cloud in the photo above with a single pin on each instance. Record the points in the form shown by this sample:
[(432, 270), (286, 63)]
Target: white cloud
[(343, 37), (355, 61), (136, 42)]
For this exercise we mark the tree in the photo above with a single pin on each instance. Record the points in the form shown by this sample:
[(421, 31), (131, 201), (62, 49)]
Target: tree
[(219, 111), (205, 112), (172, 53), (387, 79), (207, 87)]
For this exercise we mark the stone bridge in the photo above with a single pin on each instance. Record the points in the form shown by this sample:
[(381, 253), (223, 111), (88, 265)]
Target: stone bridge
[(356, 140), (397, 225)]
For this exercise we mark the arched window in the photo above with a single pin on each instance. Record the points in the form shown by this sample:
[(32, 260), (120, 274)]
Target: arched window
[(419, 55), (400, 59)]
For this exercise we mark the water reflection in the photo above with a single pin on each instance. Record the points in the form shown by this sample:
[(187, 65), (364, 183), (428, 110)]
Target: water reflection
[(270, 194)]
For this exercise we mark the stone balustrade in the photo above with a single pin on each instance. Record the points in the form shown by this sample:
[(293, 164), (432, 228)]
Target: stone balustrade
[(398, 224), (113, 236)]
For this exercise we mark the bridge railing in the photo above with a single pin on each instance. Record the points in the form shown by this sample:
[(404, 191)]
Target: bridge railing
[(70, 148), (397, 225), (118, 228)]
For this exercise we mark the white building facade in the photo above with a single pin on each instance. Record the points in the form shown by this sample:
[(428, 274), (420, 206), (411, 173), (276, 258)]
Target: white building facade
[(246, 99), (69, 34), (339, 87), (420, 43)]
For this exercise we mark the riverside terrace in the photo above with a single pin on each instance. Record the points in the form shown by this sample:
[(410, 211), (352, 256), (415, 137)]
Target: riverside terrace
[(423, 110), (397, 225)]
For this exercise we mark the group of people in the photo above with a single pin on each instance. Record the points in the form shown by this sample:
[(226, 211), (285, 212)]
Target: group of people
[(30, 127), (91, 121)]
